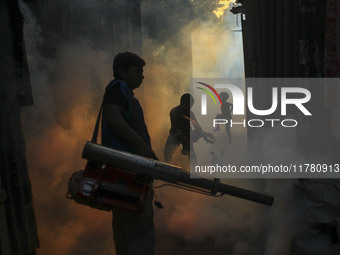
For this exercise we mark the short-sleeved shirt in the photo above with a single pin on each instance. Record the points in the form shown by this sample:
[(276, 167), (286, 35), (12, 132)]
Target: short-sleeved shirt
[(225, 108), (180, 121), (114, 95), (118, 93)]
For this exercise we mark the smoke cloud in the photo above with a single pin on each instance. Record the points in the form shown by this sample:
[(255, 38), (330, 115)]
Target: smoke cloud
[(68, 90)]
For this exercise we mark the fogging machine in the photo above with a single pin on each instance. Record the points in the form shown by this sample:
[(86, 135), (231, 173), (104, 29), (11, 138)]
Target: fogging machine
[(120, 179)]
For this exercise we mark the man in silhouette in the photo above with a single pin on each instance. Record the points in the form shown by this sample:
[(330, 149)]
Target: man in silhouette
[(184, 124), (124, 128), (226, 110)]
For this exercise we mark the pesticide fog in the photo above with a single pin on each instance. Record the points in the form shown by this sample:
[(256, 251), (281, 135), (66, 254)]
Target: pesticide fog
[(67, 93)]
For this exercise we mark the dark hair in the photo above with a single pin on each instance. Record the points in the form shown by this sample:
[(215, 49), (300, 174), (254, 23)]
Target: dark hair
[(224, 96), (126, 60), (187, 99)]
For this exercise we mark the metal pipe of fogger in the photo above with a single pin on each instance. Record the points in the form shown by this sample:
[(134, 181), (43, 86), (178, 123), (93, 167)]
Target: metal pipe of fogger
[(165, 172)]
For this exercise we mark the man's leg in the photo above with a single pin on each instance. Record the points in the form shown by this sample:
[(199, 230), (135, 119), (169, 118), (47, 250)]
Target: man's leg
[(170, 146), (133, 233), (227, 128), (217, 128), (193, 158)]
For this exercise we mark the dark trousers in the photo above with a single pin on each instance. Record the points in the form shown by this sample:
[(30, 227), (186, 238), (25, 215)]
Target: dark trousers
[(173, 142), (133, 233)]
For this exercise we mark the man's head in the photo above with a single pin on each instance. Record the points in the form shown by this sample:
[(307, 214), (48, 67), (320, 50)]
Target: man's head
[(187, 100), (128, 67), (224, 96)]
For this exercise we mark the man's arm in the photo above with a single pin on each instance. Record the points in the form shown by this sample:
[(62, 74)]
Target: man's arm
[(209, 138), (194, 120), (230, 107), (113, 114)]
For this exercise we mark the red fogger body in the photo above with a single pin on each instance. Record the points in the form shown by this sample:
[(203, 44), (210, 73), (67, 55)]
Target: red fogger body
[(104, 187)]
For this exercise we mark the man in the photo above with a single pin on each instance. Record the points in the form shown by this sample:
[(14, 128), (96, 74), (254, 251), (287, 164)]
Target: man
[(226, 110), (182, 118), (123, 128)]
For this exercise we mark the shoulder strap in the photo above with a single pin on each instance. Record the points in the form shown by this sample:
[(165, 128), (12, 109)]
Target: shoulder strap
[(96, 128), (95, 132)]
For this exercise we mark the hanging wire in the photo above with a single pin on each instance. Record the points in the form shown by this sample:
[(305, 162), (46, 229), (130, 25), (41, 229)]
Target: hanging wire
[(189, 188)]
